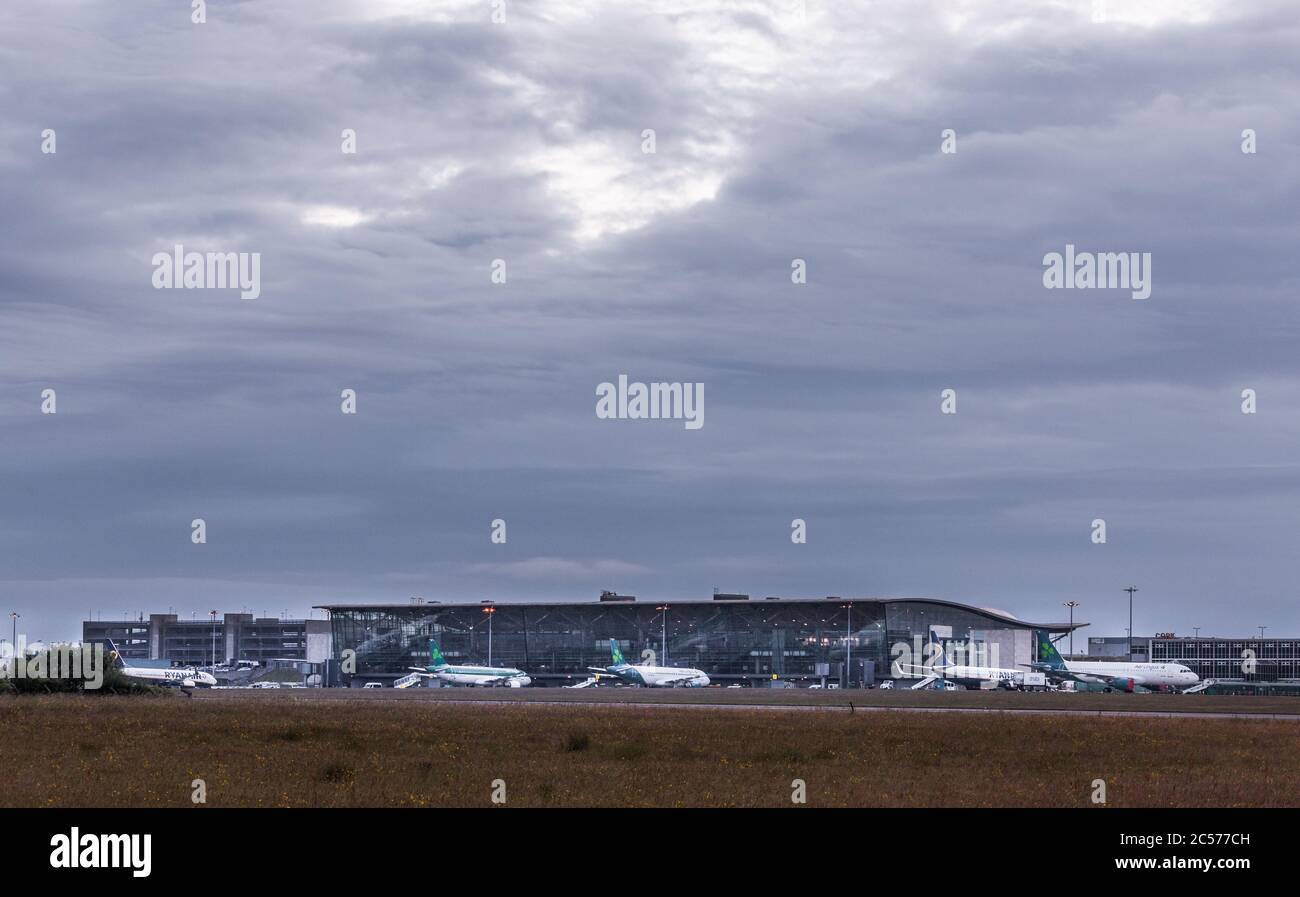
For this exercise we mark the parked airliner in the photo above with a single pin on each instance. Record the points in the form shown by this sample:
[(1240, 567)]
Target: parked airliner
[(1120, 675), (940, 667), (158, 672), (455, 674), (654, 677)]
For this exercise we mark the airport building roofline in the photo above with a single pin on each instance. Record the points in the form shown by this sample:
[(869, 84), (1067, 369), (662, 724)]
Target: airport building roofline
[(993, 613)]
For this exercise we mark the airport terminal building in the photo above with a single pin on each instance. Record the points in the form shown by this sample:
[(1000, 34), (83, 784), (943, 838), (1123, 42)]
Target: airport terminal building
[(732, 638)]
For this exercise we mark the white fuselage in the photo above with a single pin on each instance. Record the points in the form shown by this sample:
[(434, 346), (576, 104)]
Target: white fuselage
[(469, 675), (1003, 677), (1147, 675), (661, 677), (183, 676)]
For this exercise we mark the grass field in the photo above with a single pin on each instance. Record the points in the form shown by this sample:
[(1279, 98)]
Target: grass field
[(305, 749)]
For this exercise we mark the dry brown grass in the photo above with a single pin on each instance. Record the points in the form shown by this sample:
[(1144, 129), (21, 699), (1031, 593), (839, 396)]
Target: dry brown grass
[(283, 749)]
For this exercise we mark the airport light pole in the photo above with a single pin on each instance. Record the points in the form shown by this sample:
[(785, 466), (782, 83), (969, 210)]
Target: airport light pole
[(1071, 605), (14, 615), (663, 654), (1261, 632), (214, 638), (848, 645), (1130, 590), (489, 611)]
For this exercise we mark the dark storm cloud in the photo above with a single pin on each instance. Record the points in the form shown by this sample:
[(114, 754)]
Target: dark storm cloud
[(522, 141)]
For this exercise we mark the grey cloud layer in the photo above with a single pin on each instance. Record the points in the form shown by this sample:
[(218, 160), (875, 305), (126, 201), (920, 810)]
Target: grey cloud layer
[(522, 141)]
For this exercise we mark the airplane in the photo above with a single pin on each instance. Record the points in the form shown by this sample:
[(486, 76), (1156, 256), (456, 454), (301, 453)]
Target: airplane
[(159, 672), (942, 668), (1119, 675), (438, 668), (653, 677)]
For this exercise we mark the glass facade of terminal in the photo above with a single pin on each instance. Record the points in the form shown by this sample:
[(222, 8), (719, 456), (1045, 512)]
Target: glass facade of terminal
[(729, 640), (1250, 660)]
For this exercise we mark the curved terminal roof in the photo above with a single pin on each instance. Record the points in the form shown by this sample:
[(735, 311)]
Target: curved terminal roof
[(994, 614)]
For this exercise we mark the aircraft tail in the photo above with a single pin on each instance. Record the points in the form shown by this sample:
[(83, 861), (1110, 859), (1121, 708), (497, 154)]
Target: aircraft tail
[(435, 655), (938, 657), (615, 654), (1045, 652), (113, 655)]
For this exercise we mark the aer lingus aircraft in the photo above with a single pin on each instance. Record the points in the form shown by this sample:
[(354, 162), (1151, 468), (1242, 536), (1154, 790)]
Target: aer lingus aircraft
[(456, 674), (1120, 675), (654, 677), (158, 672)]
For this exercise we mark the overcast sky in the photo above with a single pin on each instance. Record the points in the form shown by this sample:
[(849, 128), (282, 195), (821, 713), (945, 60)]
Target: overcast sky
[(777, 136)]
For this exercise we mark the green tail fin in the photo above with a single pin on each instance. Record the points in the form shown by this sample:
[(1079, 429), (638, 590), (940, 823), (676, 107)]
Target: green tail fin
[(1045, 651), (435, 656), (616, 654)]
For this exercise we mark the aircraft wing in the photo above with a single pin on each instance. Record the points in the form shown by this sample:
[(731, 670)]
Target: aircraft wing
[(1056, 674), (1103, 678), (917, 670), (598, 674)]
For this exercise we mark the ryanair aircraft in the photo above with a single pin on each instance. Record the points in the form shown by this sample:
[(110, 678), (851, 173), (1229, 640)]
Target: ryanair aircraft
[(158, 672), (940, 667)]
